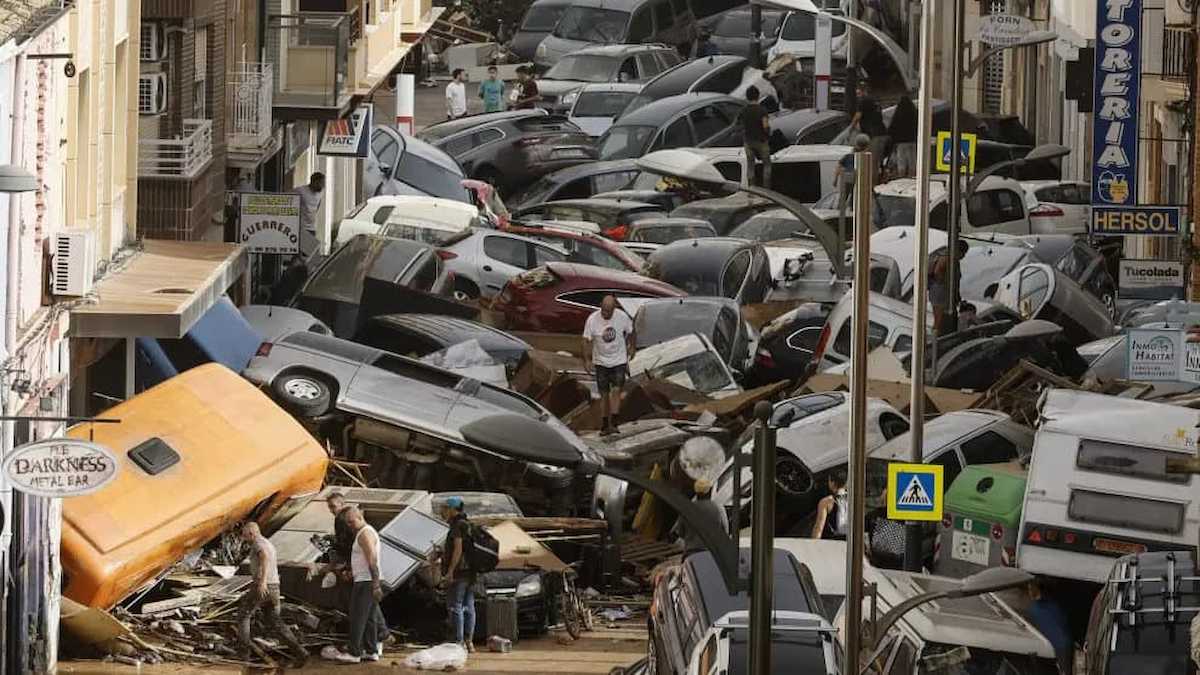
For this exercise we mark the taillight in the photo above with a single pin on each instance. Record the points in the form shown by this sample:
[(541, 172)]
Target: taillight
[(617, 233), (264, 349), (764, 359), (529, 140), (822, 343), (947, 520), (997, 531), (1046, 211), (446, 255)]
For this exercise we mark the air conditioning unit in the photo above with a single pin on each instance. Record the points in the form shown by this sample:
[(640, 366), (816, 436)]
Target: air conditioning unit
[(153, 46), (152, 94), (74, 262), (1179, 12)]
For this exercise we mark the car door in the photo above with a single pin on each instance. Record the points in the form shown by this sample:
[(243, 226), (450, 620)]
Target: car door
[(998, 210), (648, 66), (380, 163), (1077, 206), (710, 125), (504, 257), (677, 134)]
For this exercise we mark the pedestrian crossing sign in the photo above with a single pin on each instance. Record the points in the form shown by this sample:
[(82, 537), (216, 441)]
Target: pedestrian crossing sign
[(966, 149), (914, 492)]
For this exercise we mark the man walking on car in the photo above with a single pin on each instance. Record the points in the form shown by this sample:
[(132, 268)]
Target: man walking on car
[(458, 575), (609, 345), (264, 594), (756, 133)]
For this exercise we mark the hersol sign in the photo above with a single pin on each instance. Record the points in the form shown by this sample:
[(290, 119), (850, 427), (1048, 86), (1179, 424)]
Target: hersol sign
[(1151, 279), (60, 467), (1153, 221)]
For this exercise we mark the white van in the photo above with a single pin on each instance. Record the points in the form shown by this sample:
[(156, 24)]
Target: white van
[(802, 172), (1098, 487), (428, 219), (889, 324)]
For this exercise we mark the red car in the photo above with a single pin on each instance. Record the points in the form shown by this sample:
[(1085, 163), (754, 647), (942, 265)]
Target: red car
[(582, 247), (559, 297)]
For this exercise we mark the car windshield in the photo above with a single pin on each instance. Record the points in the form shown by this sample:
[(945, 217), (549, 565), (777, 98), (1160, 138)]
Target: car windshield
[(625, 142), (585, 68), (769, 228), (665, 234), (802, 26), (702, 372), (791, 652), (430, 178), (592, 24), (893, 211), (601, 103), (693, 280), (737, 24), (659, 322), (341, 277), (542, 17)]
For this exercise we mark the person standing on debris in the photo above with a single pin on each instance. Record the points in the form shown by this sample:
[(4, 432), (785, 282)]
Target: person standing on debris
[(311, 197), (833, 511), (903, 133), (939, 283), (456, 95), (491, 91), (526, 93), (608, 347), (869, 120), (844, 173), (264, 594), (756, 130), (457, 573), (366, 619), (714, 515), (343, 533)]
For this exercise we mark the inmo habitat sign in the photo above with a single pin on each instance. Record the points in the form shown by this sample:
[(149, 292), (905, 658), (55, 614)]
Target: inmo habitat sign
[(60, 467)]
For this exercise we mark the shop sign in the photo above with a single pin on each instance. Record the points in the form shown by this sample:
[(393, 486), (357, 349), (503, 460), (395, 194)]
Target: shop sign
[(60, 467)]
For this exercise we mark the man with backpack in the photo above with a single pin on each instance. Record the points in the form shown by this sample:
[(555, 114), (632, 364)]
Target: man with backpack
[(833, 511), (469, 551)]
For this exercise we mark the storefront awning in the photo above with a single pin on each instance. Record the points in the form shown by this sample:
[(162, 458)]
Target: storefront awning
[(161, 291)]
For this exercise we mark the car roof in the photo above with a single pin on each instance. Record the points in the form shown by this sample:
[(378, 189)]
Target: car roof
[(602, 276), (622, 5), (631, 87), (601, 204), (616, 50), (440, 325), (701, 250), (907, 187), (811, 153), (422, 200), (681, 76), (940, 432), (789, 593), (657, 112)]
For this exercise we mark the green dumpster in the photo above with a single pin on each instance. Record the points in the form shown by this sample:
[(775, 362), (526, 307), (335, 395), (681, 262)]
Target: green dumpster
[(981, 519)]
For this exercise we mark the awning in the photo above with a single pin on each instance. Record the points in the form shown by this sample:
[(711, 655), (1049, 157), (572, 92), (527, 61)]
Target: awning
[(161, 291)]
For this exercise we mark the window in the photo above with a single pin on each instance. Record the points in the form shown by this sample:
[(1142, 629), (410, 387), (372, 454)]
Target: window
[(607, 182), (647, 66), (487, 136), (664, 18), (386, 149), (903, 344), (545, 254), (994, 206), (413, 370), (628, 71), (640, 29), (458, 145), (588, 253), (1076, 262), (425, 274), (876, 335), (200, 83), (1035, 285), (1103, 508), (722, 81), (382, 214), (668, 58), (707, 122), (398, 341), (892, 425), (735, 273), (1128, 460), (730, 170), (805, 339), (951, 467), (576, 189), (677, 135), (708, 657), (508, 251), (542, 18), (1009, 205), (988, 448)]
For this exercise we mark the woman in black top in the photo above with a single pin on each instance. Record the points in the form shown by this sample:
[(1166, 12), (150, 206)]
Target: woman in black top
[(903, 132)]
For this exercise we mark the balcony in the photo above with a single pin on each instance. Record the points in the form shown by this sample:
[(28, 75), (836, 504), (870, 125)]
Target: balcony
[(250, 140), (324, 60), (183, 158)]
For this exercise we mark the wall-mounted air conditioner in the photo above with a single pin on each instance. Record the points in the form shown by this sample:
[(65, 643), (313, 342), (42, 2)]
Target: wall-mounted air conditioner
[(153, 46), (152, 94), (74, 262)]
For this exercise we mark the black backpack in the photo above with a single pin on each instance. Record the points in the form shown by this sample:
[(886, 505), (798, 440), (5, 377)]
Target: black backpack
[(482, 550)]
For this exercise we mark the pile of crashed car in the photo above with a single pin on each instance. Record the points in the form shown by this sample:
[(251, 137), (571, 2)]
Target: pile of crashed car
[(459, 292)]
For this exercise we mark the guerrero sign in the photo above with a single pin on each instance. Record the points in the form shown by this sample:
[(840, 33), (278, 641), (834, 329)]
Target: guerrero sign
[(269, 222), (1151, 279), (60, 467), (1116, 78), (1151, 221)]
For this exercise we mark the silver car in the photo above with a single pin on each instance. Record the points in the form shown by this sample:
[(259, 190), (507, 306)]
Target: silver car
[(484, 260), (414, 409)]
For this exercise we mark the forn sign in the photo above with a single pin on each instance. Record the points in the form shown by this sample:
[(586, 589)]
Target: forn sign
[(60, 467)]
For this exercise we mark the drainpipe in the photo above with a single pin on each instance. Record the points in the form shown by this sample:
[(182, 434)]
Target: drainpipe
[(11, 293)]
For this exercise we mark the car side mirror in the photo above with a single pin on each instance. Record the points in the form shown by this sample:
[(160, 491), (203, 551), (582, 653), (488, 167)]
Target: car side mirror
[(386, 170), (990, 292)]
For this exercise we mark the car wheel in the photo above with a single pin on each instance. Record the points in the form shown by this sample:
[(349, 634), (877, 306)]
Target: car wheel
[(1110, 303), (465, 290), (792, 478), (303, 394)]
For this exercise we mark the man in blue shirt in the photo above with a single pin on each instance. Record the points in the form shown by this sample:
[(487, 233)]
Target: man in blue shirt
[(491, 91)]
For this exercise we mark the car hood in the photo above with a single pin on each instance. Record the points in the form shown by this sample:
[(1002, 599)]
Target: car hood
[(558, 88), (553, 48)]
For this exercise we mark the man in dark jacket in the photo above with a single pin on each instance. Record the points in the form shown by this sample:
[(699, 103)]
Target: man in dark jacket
[(459, 578), (755, 137)]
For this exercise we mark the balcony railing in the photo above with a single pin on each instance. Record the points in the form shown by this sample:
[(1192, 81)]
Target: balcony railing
[(1176, 53), (183, 157), (251, 91)]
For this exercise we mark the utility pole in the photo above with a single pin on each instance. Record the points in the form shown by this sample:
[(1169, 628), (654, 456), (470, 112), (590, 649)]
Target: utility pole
[(916, 405), (1193, 290), (756, 55), (851, 86), (762, 541), (950, 316)]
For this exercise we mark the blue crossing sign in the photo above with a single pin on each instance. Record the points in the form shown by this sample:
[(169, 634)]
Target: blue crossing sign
[(966, 150), (914, 492)]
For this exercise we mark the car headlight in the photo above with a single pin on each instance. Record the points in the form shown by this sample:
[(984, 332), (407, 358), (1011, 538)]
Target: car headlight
[(568, 99), (541, 50), (530, 586)]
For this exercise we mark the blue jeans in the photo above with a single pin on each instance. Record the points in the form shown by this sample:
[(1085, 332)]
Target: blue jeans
[(460, 600)]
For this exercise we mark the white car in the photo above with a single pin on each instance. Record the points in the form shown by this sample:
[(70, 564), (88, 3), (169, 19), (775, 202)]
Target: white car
[(1061, 206), (594, 107), (797, 36), (427, 219), (998, 205)]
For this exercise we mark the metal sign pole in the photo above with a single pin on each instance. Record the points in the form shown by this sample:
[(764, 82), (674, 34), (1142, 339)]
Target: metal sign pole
[(916, 405), (762, 541), (864, 163), (950, 317)]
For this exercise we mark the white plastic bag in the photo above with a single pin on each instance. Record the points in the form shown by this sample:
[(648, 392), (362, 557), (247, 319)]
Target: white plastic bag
[(446, 656)]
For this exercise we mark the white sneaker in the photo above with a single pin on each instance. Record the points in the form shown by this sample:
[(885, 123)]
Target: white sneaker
[(343, 657), (378, 649), (370, 657)]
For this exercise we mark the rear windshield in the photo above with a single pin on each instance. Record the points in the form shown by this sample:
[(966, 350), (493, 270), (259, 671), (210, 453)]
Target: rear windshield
[(432, 179), (586, 68), (702, 372), (625, 142), (1152, 515), (803, 26), (592, 24), (602, 103), (341, 277), (542, 17), (669, 233), (791, 652), (770, 228)]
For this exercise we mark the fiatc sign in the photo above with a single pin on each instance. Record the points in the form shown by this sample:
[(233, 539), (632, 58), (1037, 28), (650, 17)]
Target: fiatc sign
[(1116, 90), (60, 467)]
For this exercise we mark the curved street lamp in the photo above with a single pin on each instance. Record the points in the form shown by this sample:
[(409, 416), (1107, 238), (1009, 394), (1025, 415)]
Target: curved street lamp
[(1039, 153)]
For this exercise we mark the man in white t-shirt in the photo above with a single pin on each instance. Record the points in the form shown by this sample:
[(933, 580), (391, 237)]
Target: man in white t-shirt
[(610, 345), (366, 619), (311, 197)]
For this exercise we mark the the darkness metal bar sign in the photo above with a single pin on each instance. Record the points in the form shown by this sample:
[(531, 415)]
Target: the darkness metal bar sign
[(1115, 126)]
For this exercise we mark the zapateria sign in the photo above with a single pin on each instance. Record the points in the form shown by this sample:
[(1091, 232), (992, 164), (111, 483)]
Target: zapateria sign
[(1117, 89), (60, 467)]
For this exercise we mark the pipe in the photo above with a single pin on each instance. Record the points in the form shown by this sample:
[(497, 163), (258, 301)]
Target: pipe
[(762, 541), (856, 484), (916, 406), (950, 317)]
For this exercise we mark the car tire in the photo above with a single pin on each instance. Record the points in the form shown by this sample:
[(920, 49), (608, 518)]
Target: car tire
[(792, 478), (303, 394), (465, 290)]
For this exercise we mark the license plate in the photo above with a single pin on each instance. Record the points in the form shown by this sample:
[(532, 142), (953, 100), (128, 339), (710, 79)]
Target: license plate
[(1121, 547), (971, 548), (570, 153)]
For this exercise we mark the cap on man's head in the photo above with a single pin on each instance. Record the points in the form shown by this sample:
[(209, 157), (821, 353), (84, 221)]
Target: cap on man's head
[(455, 503)]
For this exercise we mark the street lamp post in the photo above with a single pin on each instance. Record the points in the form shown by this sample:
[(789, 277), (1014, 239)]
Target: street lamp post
[(1041, 152), (950, 316)]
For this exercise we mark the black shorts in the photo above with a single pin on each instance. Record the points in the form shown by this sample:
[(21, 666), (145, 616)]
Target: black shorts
[(608, 377)]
